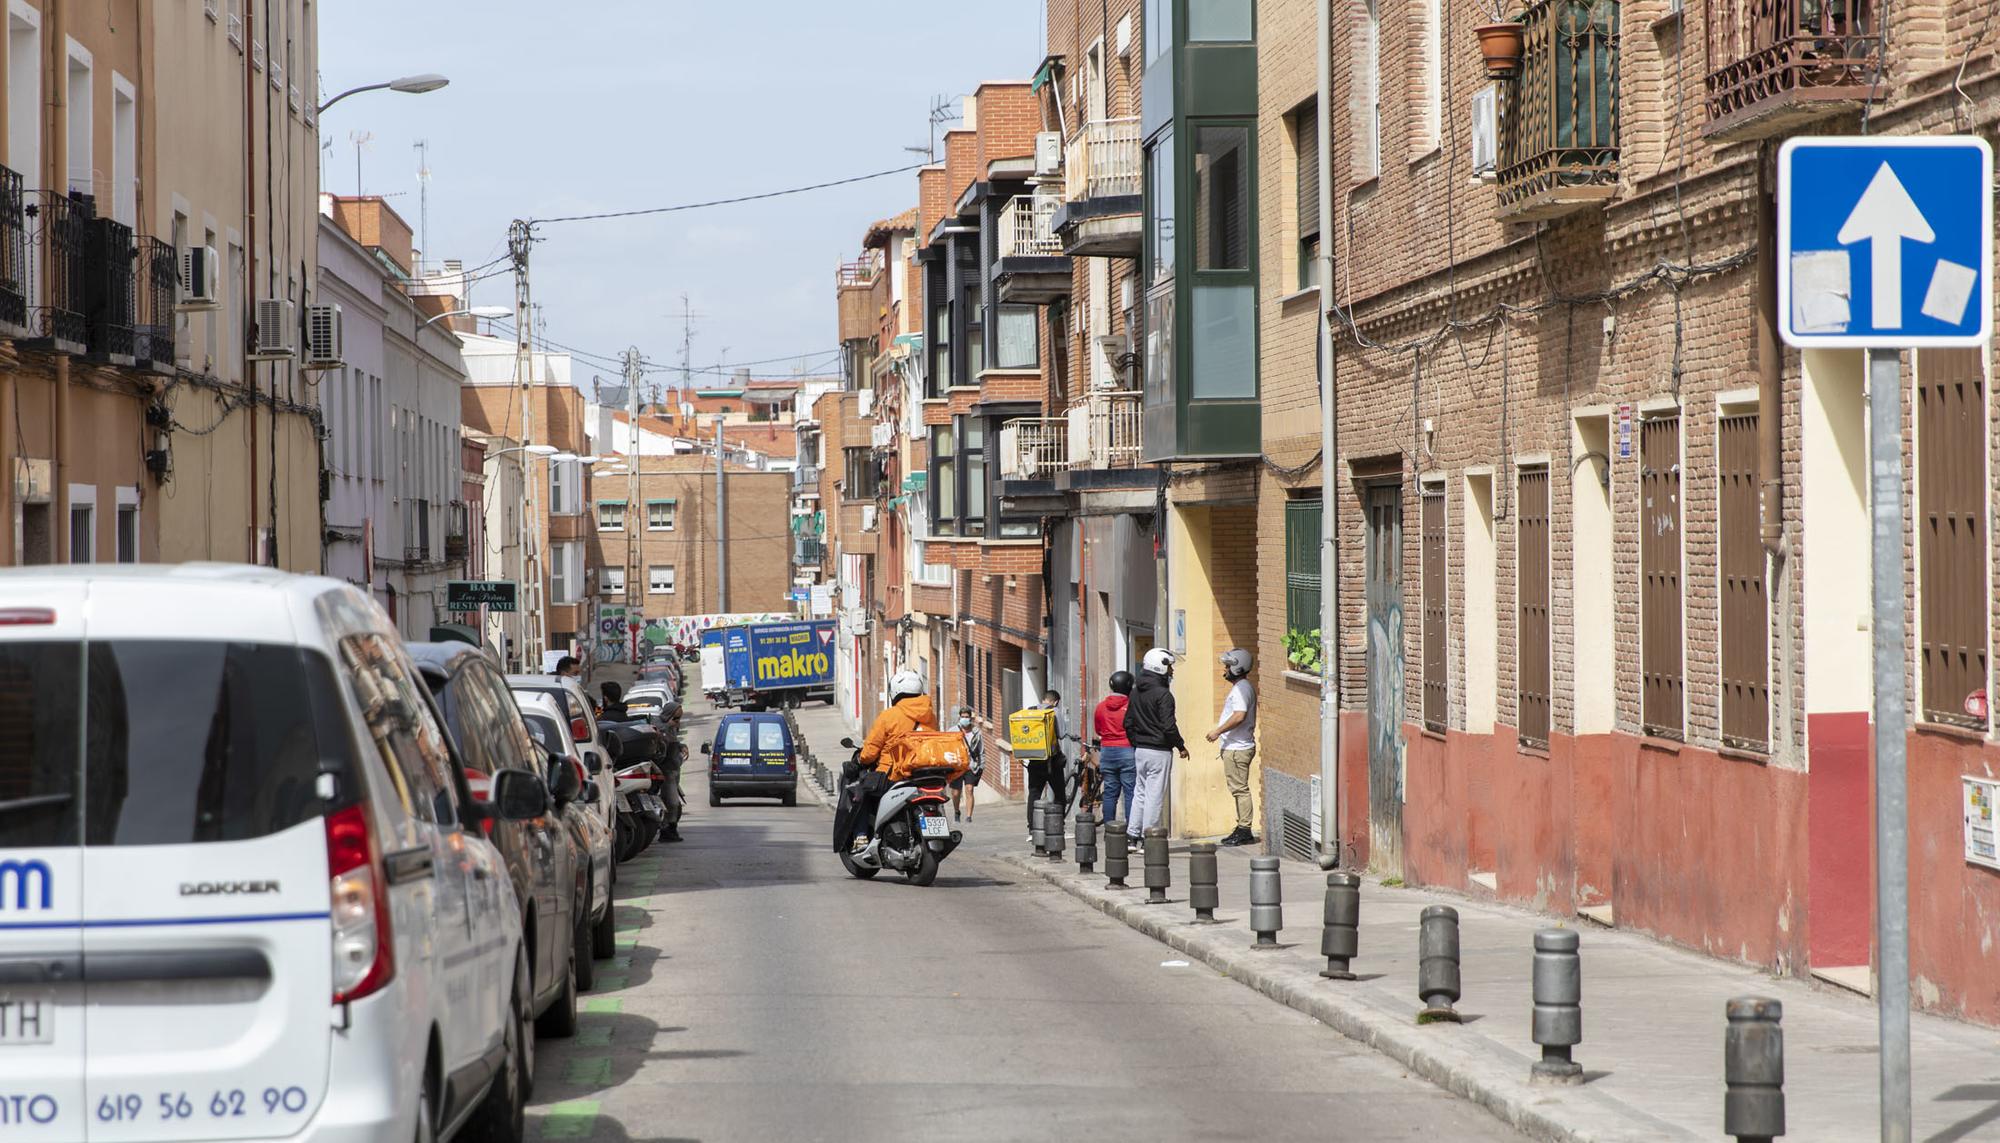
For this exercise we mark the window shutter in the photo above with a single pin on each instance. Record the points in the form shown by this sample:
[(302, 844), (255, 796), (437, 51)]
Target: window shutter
[(1307, 126), (1364, 93)]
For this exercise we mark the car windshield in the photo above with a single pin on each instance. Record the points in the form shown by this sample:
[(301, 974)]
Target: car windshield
[(736, 735), (552, 737), (771, 736)]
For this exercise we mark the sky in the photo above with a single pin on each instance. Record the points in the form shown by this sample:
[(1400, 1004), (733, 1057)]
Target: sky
[(650, 103)]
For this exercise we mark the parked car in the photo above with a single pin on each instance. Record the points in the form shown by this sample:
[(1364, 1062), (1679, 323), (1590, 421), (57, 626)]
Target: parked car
[(589, 828), (490, 741), (582, 716), (262, 798), (753, 755)]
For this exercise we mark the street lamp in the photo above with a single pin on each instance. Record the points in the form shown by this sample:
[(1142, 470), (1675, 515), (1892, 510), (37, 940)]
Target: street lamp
[(531, 450), (411, 84), (488, 312)]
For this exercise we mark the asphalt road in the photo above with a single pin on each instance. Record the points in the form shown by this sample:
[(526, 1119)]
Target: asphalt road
[(760, 993)]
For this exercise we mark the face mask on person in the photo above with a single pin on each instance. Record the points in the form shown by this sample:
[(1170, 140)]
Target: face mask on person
[(965, 724)]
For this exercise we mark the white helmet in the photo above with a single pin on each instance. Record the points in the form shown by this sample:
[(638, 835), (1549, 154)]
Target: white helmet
[(1159, 661), (1236, 663), (904, 684)]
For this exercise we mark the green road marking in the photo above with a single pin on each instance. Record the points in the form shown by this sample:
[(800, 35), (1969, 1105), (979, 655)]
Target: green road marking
[(590, 1071), (628, 939), (610, 981), (603, 1005), (592, 1036), (621, 963), (573, 1119)]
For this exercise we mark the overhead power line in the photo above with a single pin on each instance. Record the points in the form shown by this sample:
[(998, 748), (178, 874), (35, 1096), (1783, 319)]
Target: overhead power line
[(726, 201)]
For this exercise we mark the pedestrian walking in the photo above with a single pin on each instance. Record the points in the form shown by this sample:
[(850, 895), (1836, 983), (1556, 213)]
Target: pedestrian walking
[(1114, 749), (1154, 729), (1236, 734), (966, 785), (1050, 773)]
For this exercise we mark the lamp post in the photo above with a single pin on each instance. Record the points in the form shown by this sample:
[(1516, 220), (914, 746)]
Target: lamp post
[(488, 312), (409, 84)]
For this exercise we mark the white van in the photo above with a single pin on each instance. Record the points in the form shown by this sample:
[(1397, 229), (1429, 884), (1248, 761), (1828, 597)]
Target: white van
[(238, 894)]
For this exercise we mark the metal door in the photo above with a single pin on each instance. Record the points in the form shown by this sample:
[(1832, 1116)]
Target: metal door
[(1385, 677)]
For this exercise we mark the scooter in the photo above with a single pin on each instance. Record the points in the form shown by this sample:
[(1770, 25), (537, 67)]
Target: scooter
[(641, 814), (911, 833)]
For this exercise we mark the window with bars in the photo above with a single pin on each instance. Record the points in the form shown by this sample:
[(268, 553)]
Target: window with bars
[(1531, 590), (1744, 619), (1951, 505), (1436, 693), (1663, 683), (1302, 543)]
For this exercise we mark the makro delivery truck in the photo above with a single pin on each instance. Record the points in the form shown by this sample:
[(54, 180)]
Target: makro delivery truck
[(778, 664)]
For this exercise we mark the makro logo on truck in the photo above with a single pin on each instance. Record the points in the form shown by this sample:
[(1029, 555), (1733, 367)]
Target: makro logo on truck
[(24, 877), (791, 656)]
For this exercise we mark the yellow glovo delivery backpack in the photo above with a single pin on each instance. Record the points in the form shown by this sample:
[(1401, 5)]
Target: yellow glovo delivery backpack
[(931, 749), (1032, 734)]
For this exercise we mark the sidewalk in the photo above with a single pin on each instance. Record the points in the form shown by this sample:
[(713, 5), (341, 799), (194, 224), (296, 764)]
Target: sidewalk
[(1652, 1014)]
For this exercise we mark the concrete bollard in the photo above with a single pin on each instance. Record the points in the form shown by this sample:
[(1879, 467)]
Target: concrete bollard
[(1086, 841), (1266, 901), (1158, 874), (1052, 825), (1340, 933), (1117, 856), (1558, 1020), (1038, 831), (1204, 891), (1437, 965), (1753, 1070)]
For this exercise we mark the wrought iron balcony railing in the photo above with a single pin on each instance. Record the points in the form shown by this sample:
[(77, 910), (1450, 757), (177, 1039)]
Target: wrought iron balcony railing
[(1025, 230), (1103, 160), (1559, 145), (159, 281), (13, 254), (58, 238), (1775, 63), (110, 291)]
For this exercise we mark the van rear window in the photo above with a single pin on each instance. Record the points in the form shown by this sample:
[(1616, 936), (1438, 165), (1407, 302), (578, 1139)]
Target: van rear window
[(202, 741), (39, 683)]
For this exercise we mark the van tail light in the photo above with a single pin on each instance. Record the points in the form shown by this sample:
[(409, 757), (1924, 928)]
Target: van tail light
[(364, 948), (579, 730), (480, 786)]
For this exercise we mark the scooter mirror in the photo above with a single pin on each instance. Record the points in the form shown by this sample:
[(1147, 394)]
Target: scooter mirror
[(704, 748), (847, 742)]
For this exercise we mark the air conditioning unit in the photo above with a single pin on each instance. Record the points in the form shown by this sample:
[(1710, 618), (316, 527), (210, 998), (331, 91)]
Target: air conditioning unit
[(324, 340), (1048, 153), (277, 329), (201, 279), (1486, 131), (868, 514)]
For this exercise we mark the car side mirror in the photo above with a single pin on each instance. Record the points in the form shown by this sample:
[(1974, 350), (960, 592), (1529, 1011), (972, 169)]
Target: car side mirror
[(563, 780), (591, 794), (519, 796)]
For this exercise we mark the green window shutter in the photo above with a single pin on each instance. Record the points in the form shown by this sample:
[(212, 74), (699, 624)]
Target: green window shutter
[(1302, 540)]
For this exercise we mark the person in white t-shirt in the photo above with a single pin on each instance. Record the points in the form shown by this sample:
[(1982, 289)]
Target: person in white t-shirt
[(1236, 734)]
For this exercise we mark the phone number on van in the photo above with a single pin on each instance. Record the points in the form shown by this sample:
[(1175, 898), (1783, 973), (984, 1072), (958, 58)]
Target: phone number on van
[(171, 1105)]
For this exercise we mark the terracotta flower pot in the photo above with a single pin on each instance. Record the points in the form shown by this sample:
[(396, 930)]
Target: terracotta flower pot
[(1501, 45)]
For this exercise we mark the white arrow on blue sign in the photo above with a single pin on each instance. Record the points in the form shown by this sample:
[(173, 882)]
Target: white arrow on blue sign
[(1885, 243)]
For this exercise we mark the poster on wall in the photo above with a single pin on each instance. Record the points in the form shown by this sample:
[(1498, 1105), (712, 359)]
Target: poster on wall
[(1980, 794), (822, 600)]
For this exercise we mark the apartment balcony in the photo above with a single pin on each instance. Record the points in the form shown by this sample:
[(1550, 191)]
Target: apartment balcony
[(1104, 446), (58, 238), (1031, 268), (860, 309), (1777, 64), (805, 480), (1103, 183), (1559, 141), (13, 256), (159, 279), (1033, 450), (808, 553), (111, 292)]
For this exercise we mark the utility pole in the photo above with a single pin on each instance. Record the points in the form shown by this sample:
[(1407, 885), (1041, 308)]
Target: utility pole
[(519, 239), (721, 522), (635, 509), (423, 149)]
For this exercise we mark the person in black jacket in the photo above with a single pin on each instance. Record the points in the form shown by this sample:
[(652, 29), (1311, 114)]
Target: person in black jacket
[(1151, 725)]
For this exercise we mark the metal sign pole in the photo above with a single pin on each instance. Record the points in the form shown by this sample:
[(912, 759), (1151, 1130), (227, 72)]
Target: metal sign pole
[(1892, 846)]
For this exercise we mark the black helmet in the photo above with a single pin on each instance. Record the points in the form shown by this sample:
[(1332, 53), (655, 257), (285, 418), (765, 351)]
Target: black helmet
[(1121, 682)]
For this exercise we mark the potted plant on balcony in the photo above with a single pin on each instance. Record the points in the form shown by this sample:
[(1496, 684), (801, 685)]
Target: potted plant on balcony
[(1500, 44)]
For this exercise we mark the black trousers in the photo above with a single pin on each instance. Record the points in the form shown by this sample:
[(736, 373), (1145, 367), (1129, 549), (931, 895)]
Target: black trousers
[(1047, 775), (860, 793)]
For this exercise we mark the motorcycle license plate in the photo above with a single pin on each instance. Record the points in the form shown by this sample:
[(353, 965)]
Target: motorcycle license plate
[(934, 826)]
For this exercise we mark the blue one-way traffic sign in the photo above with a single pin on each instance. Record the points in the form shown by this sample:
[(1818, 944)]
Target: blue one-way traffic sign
[(1885, 243)]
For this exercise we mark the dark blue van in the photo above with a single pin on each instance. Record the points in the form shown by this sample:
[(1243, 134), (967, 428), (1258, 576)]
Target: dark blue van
[(753, 754)]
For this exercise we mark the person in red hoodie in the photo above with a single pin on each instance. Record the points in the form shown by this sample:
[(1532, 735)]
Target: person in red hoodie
[(1114, 756)]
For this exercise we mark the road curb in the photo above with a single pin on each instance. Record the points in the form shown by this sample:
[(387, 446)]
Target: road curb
[(1454, 1057)]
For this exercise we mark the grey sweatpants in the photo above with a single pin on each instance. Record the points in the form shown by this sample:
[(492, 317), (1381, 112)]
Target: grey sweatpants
[(1149, 798)]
